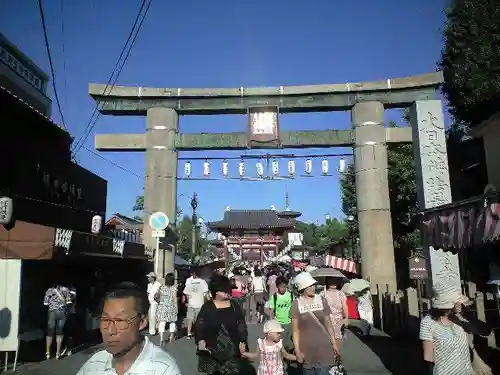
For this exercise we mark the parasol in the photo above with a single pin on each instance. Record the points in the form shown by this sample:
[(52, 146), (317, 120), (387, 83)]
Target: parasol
[(357, 285), (327, 272)]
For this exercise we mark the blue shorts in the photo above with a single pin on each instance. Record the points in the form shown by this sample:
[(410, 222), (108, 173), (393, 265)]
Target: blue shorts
[(316, 371), (56, 322)]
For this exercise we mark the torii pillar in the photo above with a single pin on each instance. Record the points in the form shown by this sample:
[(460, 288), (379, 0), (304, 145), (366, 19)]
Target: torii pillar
[(372, 194), (160, 191)]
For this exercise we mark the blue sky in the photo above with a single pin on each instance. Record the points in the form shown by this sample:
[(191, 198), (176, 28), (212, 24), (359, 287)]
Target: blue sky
[(225, 43)]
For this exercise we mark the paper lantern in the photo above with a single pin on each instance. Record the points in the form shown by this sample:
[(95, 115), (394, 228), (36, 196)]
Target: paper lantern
[(187, 169), (6, 210), (206, 168), (342, 165), (324, 166), (309, 166), (276, 168), (241, 168), (225, 168), (260, 169), (96, 224), (291, 167)]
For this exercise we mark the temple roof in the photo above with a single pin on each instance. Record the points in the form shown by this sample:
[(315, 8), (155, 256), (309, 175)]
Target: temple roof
[(125, 219), (252, 219), (289, 214)]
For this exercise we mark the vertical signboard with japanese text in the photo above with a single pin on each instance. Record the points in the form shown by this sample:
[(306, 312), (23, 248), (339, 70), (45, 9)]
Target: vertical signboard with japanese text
[(433, 180)]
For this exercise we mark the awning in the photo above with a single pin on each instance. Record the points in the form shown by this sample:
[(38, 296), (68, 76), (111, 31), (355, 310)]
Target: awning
[(34, 241), (74, 243), (335, 262), (26, 241), (462, 224)]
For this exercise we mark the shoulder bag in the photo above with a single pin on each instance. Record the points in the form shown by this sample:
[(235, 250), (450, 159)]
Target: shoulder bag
[(338, 368)]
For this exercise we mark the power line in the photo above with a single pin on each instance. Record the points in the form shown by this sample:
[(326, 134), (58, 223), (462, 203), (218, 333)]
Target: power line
[(267, 156), (263, 156), (113, 163), (46, 38), (117, 69), (63, 47)]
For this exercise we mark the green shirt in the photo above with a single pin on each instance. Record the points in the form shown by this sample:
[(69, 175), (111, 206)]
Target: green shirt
[(282, 308)]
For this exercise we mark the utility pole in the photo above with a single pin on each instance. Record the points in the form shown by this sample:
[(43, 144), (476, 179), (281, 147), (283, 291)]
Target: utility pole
[(194, 222)]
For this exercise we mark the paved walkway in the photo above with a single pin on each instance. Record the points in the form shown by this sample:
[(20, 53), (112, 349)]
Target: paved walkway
[(379, 355)]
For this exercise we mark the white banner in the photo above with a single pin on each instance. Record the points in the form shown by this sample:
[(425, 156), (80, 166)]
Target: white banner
[(10, 292)]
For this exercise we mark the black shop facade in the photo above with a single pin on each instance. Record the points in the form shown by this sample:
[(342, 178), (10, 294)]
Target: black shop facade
[(49, 238)]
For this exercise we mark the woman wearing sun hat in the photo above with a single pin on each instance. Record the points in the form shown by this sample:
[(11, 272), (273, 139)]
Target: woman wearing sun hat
[(444, 333), (312, 331)]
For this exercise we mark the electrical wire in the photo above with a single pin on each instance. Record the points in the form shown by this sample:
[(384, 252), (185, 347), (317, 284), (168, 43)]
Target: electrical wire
[(113, 72), (118, 69), (247, 156), (113, 163), (46, 38), (63, 50), (267, 156)]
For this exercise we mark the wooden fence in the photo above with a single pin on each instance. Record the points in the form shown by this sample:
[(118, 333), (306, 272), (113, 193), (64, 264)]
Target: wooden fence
[(399, 314)]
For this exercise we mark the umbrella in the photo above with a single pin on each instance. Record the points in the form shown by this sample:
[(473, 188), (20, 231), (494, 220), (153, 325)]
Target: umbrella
[(357, 285), (285, 259), (347, 289), (327, 272)]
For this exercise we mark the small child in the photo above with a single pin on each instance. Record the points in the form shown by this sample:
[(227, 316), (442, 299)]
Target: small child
[(270, 350)]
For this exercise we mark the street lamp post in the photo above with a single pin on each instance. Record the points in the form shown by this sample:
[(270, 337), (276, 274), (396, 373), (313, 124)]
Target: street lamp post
[(194, 221)]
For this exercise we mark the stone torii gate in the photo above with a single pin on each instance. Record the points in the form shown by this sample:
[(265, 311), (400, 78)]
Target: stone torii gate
[(368, 137)]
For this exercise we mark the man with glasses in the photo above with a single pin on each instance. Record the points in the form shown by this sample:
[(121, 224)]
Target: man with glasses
[(124, 316)]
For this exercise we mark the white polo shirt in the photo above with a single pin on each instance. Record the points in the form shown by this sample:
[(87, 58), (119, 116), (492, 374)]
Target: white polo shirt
[(152, 361)]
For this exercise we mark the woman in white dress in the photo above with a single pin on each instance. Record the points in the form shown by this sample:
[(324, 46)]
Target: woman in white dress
[(445, 343), (166, 313), (258, 288)]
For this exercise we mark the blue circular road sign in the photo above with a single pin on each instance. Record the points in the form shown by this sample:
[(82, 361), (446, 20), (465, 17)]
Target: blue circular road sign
[(159, 221)]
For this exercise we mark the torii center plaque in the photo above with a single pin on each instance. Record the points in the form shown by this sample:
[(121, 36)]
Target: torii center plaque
[(263, 125)]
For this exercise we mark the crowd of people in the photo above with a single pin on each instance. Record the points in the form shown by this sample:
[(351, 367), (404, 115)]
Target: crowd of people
[(301, 328), (303, 324)]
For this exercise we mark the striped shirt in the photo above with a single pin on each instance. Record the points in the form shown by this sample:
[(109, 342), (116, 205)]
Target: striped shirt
[(152, 361), (451, 347)]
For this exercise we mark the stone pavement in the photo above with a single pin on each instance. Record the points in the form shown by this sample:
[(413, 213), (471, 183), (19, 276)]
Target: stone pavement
[(378, 355)]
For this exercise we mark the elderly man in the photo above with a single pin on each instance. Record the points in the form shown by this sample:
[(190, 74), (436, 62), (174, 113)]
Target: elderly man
[(126, 350), (153, 289)]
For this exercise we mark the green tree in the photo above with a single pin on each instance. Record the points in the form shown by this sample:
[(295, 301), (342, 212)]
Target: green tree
[(184, 231), (470, 60), (402, 194), (139, 204), (139, 208), (323, 237)]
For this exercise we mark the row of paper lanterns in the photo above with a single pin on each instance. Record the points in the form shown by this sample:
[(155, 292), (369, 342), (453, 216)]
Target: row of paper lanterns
[(7, 214), (259, 166)]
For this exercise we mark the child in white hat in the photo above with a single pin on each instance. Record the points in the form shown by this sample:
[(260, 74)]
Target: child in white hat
[(270, 350)]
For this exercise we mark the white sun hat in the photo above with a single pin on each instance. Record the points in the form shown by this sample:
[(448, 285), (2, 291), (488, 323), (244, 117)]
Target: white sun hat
[(310, 268), (447, 295), (272, 326), (304, 280)]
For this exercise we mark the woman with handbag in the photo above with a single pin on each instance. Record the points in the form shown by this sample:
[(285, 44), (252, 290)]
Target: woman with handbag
[(166, 313), (312, 332), (221, 332)]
